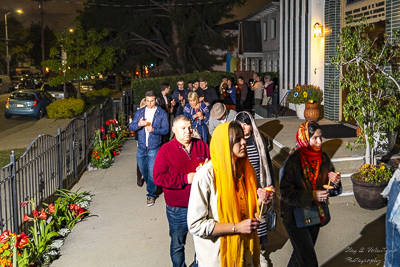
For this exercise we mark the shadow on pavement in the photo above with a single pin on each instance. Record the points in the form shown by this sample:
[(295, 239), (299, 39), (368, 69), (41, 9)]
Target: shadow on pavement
[(272, 128), (368, 250), (330, 147)]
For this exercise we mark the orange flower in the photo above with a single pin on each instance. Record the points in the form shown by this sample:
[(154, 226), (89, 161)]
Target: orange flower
[(4, 236), (5, 246), (22, 240), (52, 208), (27, 218), (43, 214)]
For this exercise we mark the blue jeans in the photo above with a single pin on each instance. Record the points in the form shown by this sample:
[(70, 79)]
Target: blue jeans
[(392, 257), (177, 231), (145, 159)]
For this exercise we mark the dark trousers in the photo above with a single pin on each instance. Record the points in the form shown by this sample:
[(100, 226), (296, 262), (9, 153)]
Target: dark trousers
[(303, 241)]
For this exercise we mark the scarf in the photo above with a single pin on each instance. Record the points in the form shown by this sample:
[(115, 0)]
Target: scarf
[(310, 161), (232, 246), (265, 174)]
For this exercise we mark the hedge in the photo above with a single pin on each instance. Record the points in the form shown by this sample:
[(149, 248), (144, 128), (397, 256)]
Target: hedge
[(65, 108), (141, 86)]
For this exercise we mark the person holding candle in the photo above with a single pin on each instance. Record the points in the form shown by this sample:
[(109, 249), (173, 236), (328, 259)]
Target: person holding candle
[(199, 114), (174, 169), (302, 179), (223, 203), (259, 157)]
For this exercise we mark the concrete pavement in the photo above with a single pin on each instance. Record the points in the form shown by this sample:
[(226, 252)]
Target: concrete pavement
[(123, 231)]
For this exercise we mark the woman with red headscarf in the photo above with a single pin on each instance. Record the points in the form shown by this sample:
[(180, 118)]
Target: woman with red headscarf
[(302, 179)]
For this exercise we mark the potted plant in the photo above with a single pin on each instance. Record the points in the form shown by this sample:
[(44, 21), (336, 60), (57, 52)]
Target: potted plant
[(364, 58), (306, 97), (368, 183)]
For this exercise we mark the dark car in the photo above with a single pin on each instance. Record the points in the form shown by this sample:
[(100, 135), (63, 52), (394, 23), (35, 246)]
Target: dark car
[(58, 91), (28, 103), (91, 85)]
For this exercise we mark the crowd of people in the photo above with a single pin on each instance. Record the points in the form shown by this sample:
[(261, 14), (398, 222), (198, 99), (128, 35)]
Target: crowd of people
[(214, 168)]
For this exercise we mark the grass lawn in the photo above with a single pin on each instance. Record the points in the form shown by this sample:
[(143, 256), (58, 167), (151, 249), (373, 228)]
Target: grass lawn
[(5, 156)]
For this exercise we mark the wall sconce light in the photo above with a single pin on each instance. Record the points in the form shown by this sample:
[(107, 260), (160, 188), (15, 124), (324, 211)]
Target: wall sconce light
[(317, 30)]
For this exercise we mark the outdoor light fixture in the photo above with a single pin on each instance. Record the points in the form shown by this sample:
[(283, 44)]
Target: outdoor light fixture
[(317, 30)]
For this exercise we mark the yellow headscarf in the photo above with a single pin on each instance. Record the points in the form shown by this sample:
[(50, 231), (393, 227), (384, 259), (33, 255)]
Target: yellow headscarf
[(232, 247)]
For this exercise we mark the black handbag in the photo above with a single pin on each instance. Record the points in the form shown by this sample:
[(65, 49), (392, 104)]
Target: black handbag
[(270, 217), (306, 216)]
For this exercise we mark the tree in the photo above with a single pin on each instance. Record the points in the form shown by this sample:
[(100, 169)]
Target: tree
[(367, 62), (19, 43), (35, 37), (179, 32), (86, 55)]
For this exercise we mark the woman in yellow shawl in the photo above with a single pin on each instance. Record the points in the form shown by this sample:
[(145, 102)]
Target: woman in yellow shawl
[(223, 202)]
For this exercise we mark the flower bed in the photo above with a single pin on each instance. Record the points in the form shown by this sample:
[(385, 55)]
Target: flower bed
[(107, 144), (48, 228)]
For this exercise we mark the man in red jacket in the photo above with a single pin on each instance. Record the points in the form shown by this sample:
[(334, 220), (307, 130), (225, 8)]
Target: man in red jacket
[(174, 168)]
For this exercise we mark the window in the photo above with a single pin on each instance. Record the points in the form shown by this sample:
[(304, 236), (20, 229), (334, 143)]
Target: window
[(271, 64), (265, 31), (273, 28)]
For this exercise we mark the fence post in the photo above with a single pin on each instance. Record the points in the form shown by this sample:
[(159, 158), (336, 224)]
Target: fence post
[(85, 133), (60, 181), (14, 193), (101, 115), (74, 160)]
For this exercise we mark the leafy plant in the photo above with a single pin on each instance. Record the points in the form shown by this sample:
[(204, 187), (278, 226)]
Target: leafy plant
[(364, 60), (376, 174), (305, 93), (65, 108)]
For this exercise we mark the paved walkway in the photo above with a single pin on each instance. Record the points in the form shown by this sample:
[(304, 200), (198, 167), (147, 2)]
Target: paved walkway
[(123, 231)]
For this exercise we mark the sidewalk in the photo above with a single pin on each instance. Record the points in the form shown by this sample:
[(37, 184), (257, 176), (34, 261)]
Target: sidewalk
[(123, 231)]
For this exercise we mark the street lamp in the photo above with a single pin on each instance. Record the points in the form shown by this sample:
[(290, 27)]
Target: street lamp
[(8, 58)]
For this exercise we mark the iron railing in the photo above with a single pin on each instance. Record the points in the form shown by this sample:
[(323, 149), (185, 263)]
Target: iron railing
[(49, 163)]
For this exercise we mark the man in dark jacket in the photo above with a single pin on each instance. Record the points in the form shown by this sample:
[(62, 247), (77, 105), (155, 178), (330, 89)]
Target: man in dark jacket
[(207, 94), (164, 101), (179, 95), (151, 122)]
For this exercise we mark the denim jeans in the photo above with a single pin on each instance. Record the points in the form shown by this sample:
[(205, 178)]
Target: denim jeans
[(177, 231), (145, 159)]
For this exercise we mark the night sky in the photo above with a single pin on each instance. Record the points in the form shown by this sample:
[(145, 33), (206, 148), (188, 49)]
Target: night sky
[(59, 14)]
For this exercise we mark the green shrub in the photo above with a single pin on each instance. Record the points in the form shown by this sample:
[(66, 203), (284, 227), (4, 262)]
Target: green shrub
[(65, 108), (141, 86), (105, 92)]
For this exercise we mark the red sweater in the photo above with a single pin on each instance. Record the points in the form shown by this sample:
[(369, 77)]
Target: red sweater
[(171, 167)]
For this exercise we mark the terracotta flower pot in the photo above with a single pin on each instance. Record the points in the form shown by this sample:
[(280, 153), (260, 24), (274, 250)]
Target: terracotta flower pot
[(368, 195), (311, 112)]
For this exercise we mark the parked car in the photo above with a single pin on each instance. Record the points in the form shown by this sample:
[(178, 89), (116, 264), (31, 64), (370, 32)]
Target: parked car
[(58, 91), (28, 103), (91, 85)]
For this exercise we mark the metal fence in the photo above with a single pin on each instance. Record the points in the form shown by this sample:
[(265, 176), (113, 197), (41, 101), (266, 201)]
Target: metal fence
[(49, 163)]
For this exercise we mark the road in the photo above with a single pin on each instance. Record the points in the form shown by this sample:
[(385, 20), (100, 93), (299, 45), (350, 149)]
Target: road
[(16, 122)]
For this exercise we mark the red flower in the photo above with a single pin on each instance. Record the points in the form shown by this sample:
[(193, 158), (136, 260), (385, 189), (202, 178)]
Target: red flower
[(108, 122), (23, 204), (43, 214), (102, 129), (113, 135), (27, 218), (35, 214), (4, 236), (22, 240), (52, 208)]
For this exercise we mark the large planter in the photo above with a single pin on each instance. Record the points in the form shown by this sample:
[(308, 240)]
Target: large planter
[(300, 110), (311, 112), (368, 195)]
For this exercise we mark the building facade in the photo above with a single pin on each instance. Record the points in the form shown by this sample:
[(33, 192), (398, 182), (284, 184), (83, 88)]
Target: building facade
[(258, 41)]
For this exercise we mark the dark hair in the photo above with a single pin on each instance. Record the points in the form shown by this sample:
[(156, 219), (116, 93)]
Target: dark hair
[(243, 118), (241, 78), (181, 118), (232, 80), (312, 128), (203, 79), (190, 82), (196, 81), (150, 93), (180, 80), (224, 77), (164, 86), (235, 134)]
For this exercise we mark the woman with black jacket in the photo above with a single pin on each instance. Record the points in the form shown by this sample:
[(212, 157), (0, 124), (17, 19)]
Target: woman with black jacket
[(302, 179)]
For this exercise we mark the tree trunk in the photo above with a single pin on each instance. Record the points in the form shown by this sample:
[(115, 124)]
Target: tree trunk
[(178, 50)]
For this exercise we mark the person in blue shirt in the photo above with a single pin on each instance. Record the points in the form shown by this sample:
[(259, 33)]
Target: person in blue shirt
[(179, 97), (199, 113)]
